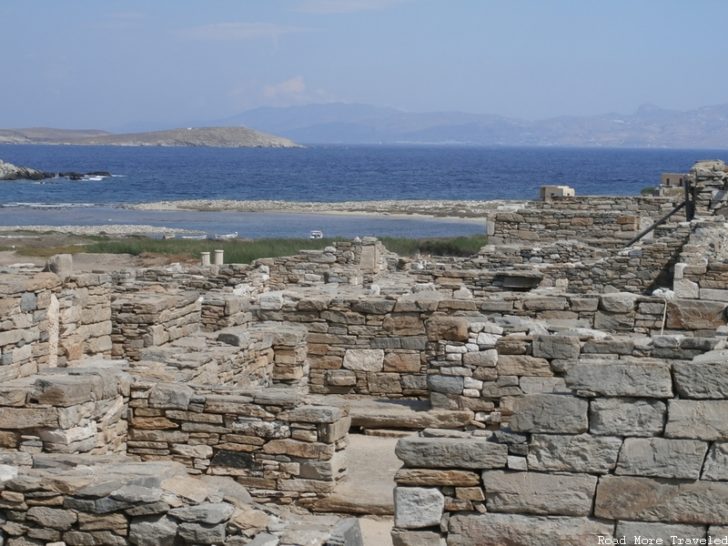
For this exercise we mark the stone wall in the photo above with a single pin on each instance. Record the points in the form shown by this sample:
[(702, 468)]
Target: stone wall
[(346, 262), (539, 225), (46, 321), (269, 440), (85, 317), (147, 319), (115, 501), (73, 410), (28, 324), (626, 447)]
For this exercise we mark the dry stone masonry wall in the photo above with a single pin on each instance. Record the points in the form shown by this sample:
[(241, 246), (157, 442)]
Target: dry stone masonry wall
[(573, 400)]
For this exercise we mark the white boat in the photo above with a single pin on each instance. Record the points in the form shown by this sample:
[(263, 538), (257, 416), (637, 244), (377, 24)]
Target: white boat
[(224, 236), (316, 234)]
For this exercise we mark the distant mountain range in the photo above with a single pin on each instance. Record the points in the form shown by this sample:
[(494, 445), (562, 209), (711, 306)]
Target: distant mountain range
[(221, 137), (341, 123)]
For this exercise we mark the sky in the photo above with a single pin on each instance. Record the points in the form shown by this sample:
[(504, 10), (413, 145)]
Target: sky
[(112, 64)]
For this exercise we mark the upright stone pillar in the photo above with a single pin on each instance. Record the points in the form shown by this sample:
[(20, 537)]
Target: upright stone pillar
[(218, 257), (204, 259)]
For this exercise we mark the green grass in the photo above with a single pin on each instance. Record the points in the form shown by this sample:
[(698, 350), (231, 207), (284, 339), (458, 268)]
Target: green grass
[(445, 246), (235, 251), (246, 251)]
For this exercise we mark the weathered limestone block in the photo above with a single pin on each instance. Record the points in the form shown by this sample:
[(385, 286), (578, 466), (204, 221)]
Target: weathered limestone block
[(533, 492), (657, 532), (152, 531), (23, 418), (716, 464), (614, 322), (294, 448), (445, 384), (618, 302), (416, 538), (502, 529), (170, 396), (614, 378), (695, 315), (662, 458), (367, 360), (573, 453), (523, 365), (705, 377), (404, 324), (626, 417), (475, 453), (426, 477), (66, 390), (314, 414), (402, 362), (208, 512), (550, 413), (447, 328), (697, 419), (487, 358), (562, 347), (648, 499), (417, 507), (53, 518)]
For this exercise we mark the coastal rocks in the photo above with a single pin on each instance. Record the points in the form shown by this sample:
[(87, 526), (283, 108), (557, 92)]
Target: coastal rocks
[(8, 171)]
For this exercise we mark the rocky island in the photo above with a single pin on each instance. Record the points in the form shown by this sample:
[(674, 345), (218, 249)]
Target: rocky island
[(218, 137)]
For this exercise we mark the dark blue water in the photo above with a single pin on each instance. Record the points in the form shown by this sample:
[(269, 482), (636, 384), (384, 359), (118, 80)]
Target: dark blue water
[(323, 173), (337, 173)]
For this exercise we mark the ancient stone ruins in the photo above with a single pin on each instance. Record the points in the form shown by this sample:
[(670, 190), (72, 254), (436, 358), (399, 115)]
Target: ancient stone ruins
[(558, 388)]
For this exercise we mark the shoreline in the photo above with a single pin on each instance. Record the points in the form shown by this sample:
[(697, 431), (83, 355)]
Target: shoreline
[(110, 229), (453, 211)]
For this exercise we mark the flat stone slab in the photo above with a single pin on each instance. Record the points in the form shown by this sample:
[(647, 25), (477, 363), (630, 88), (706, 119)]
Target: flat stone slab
[(369, 485)]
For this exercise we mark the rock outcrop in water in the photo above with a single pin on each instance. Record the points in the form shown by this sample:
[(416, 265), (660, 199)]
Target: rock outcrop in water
[(8, 171)]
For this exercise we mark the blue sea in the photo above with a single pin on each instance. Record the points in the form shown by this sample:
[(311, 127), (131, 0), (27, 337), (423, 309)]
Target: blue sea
[(316, 173)]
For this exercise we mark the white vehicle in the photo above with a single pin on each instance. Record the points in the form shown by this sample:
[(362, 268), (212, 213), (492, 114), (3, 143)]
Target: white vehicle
[(316, 234)]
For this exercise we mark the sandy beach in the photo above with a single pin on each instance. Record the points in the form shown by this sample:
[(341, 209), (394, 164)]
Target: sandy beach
[(450, 210), (109, 229)]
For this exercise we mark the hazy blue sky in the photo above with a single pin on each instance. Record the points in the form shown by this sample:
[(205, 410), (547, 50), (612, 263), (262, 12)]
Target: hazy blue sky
[(107, 63)]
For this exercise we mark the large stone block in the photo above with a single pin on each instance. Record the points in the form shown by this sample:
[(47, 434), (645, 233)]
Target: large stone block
[(695, 315), (523, 365), (657, 533), (417, 507), (662, 458), (618, 302), (716, 464), (534, 493), (475, 453), (447, 328), (366, 360), (22, 418), (697, 419), (614, 378), (573, 453), (705, 377), (561, 347), (550, 413), (170, 396), (445, 384), (512, 529), (626, 417), (648, 499)]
